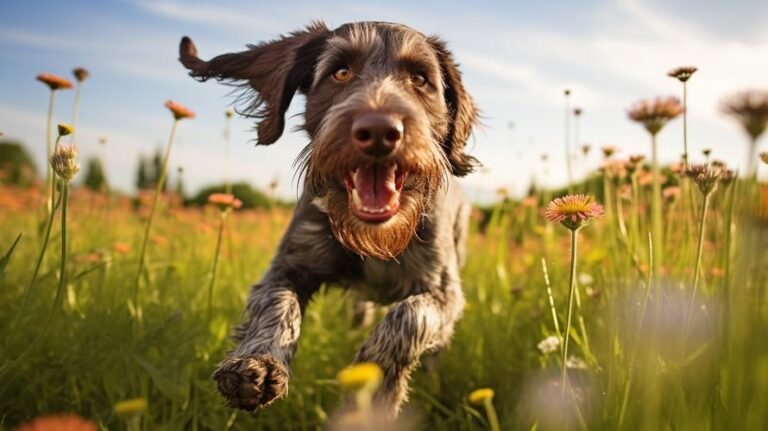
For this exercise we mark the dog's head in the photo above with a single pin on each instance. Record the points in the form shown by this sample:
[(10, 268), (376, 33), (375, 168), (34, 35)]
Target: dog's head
[(386, 111)]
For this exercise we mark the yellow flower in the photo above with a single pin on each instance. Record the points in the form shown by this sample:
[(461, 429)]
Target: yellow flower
[(479, 396), (229, 113), (365, 375), (129, 407), (65, 129)]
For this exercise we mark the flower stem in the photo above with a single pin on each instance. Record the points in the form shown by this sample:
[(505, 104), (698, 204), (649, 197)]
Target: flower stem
[(76, 110), (493, 419), (656, 227), (215, 264), (571, 289), (158, 191), (697, 269), (63, 267), (49, 169), (568, 143), (685, 124)]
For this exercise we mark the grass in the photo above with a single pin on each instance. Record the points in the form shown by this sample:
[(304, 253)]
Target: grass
[(636, 374)]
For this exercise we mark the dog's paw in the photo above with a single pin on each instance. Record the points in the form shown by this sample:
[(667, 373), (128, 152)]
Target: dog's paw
[(251, 382)]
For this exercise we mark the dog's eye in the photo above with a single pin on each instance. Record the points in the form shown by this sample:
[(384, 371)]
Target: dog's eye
[(418, 80), (342, 74)]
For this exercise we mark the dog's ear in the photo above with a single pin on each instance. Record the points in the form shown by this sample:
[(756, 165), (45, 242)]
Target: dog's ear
[(462, 112), (274, 71)]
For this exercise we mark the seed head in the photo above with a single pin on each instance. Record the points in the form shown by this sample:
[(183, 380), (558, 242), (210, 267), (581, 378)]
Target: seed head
[(573, 211), (750, 108), (65, 129), (479, 396), (81, 74), (179, 111), (54, 82), (365, 375), (64, 162), (683, 73), (705, 176), (654, 114)]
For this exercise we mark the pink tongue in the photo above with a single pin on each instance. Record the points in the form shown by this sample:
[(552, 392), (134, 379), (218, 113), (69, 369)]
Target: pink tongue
[(375, 185)]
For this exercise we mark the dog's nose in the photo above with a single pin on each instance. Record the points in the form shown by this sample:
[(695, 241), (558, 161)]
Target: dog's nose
[(377, 134)]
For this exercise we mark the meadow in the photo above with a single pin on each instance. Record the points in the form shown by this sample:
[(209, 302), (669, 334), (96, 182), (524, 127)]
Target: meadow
[(124, 325)]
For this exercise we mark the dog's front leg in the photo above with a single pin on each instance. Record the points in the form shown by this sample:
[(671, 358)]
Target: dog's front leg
[(256, 373), (418, 324)]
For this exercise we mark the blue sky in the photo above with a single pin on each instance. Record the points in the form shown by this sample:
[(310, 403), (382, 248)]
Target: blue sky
[(516, 56)]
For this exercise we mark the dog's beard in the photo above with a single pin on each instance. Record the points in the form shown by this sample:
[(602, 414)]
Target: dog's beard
[(385, 240)]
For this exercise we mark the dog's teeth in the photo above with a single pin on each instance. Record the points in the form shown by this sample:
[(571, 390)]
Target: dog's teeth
[(356, 199)]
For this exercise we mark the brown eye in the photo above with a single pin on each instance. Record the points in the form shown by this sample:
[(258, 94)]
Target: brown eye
[(342, 74), (418, 80)]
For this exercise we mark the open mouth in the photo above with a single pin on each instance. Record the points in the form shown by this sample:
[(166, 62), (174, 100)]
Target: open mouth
[(374, 191)]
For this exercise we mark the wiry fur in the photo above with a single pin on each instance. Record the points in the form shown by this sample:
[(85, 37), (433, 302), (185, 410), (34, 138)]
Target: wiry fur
[(412, 259)]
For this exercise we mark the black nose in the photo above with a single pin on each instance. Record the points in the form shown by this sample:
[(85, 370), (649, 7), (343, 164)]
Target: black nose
[(377, 134)]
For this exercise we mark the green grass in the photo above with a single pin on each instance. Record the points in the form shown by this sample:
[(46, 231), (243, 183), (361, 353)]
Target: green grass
[(95, 351)]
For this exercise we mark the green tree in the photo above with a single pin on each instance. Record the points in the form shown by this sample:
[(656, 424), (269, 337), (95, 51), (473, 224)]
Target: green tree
[(16, 165), (94, 178)]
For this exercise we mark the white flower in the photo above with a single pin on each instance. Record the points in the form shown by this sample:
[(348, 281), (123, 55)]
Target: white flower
[(575, 363), (549, 345), (585, 279)]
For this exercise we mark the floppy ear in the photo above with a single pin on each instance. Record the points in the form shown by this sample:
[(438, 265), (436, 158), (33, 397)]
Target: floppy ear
[(463, 114), (274, 71)]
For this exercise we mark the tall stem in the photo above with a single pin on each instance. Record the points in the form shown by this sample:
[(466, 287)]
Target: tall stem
[(697, 269), (76, 110), (571, 289), (63, 267), (215, 264), (158, 191), (228, 134), (493, 419), (656, 228), (568, 143), (685, 124), (49, 169)]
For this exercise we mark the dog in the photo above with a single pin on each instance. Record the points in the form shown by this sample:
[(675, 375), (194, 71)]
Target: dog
[(388, 121)]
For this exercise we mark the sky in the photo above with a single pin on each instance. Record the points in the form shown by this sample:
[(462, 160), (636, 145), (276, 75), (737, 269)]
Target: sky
[(517, 57)]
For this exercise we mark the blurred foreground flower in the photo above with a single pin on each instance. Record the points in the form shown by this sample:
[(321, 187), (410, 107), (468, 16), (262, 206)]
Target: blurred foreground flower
[(67, 422), (608, 150), (54, 82), (654, 114), (573, 211), (81, 74), (225, 201), (484, 397), (764, 157), (549, 345), (366, 375), (133, 406), (179, 111), (750, 108), (64, 162)]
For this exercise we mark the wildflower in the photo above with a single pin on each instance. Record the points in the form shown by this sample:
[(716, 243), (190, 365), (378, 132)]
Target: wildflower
[(530, 201), (764, 157), (608, 150), (670, 193), (81, 74), (573, 211), (654, 114), (65, 129), (64, 162), (567, 92), (635, 159), (67, 422), (365, 375), (705, 176), (750, 108), (179, 111), (683, 73), (727, 177), (549, 345), (54, 82), (575, 363), (130, 407), (122, 247), (706, 152), (586, 279), (577, 111), (479, 396), (225, 201), (229, 113), (502, 192), (585, 149), (102, 141), (718, 164)]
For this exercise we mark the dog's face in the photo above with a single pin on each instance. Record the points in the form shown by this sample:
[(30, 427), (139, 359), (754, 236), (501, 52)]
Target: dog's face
[(386, 112)]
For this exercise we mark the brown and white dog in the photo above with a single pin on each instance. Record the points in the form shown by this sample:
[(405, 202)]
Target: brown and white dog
[(388, 120)]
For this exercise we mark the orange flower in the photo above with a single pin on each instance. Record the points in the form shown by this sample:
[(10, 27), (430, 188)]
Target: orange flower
[(67, 422), (122, 247), (654, 114), (225, 201), (158, 239), (54, 82), (573, 211), (179, 111)]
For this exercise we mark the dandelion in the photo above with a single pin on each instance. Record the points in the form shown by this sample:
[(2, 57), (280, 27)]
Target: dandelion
[(653, 115), (67, 422), (549, 345), (179, 112), (750, 108), (361, 379), (484, 397)]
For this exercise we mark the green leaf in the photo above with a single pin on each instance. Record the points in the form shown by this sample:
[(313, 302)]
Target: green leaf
[(7, 256)]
